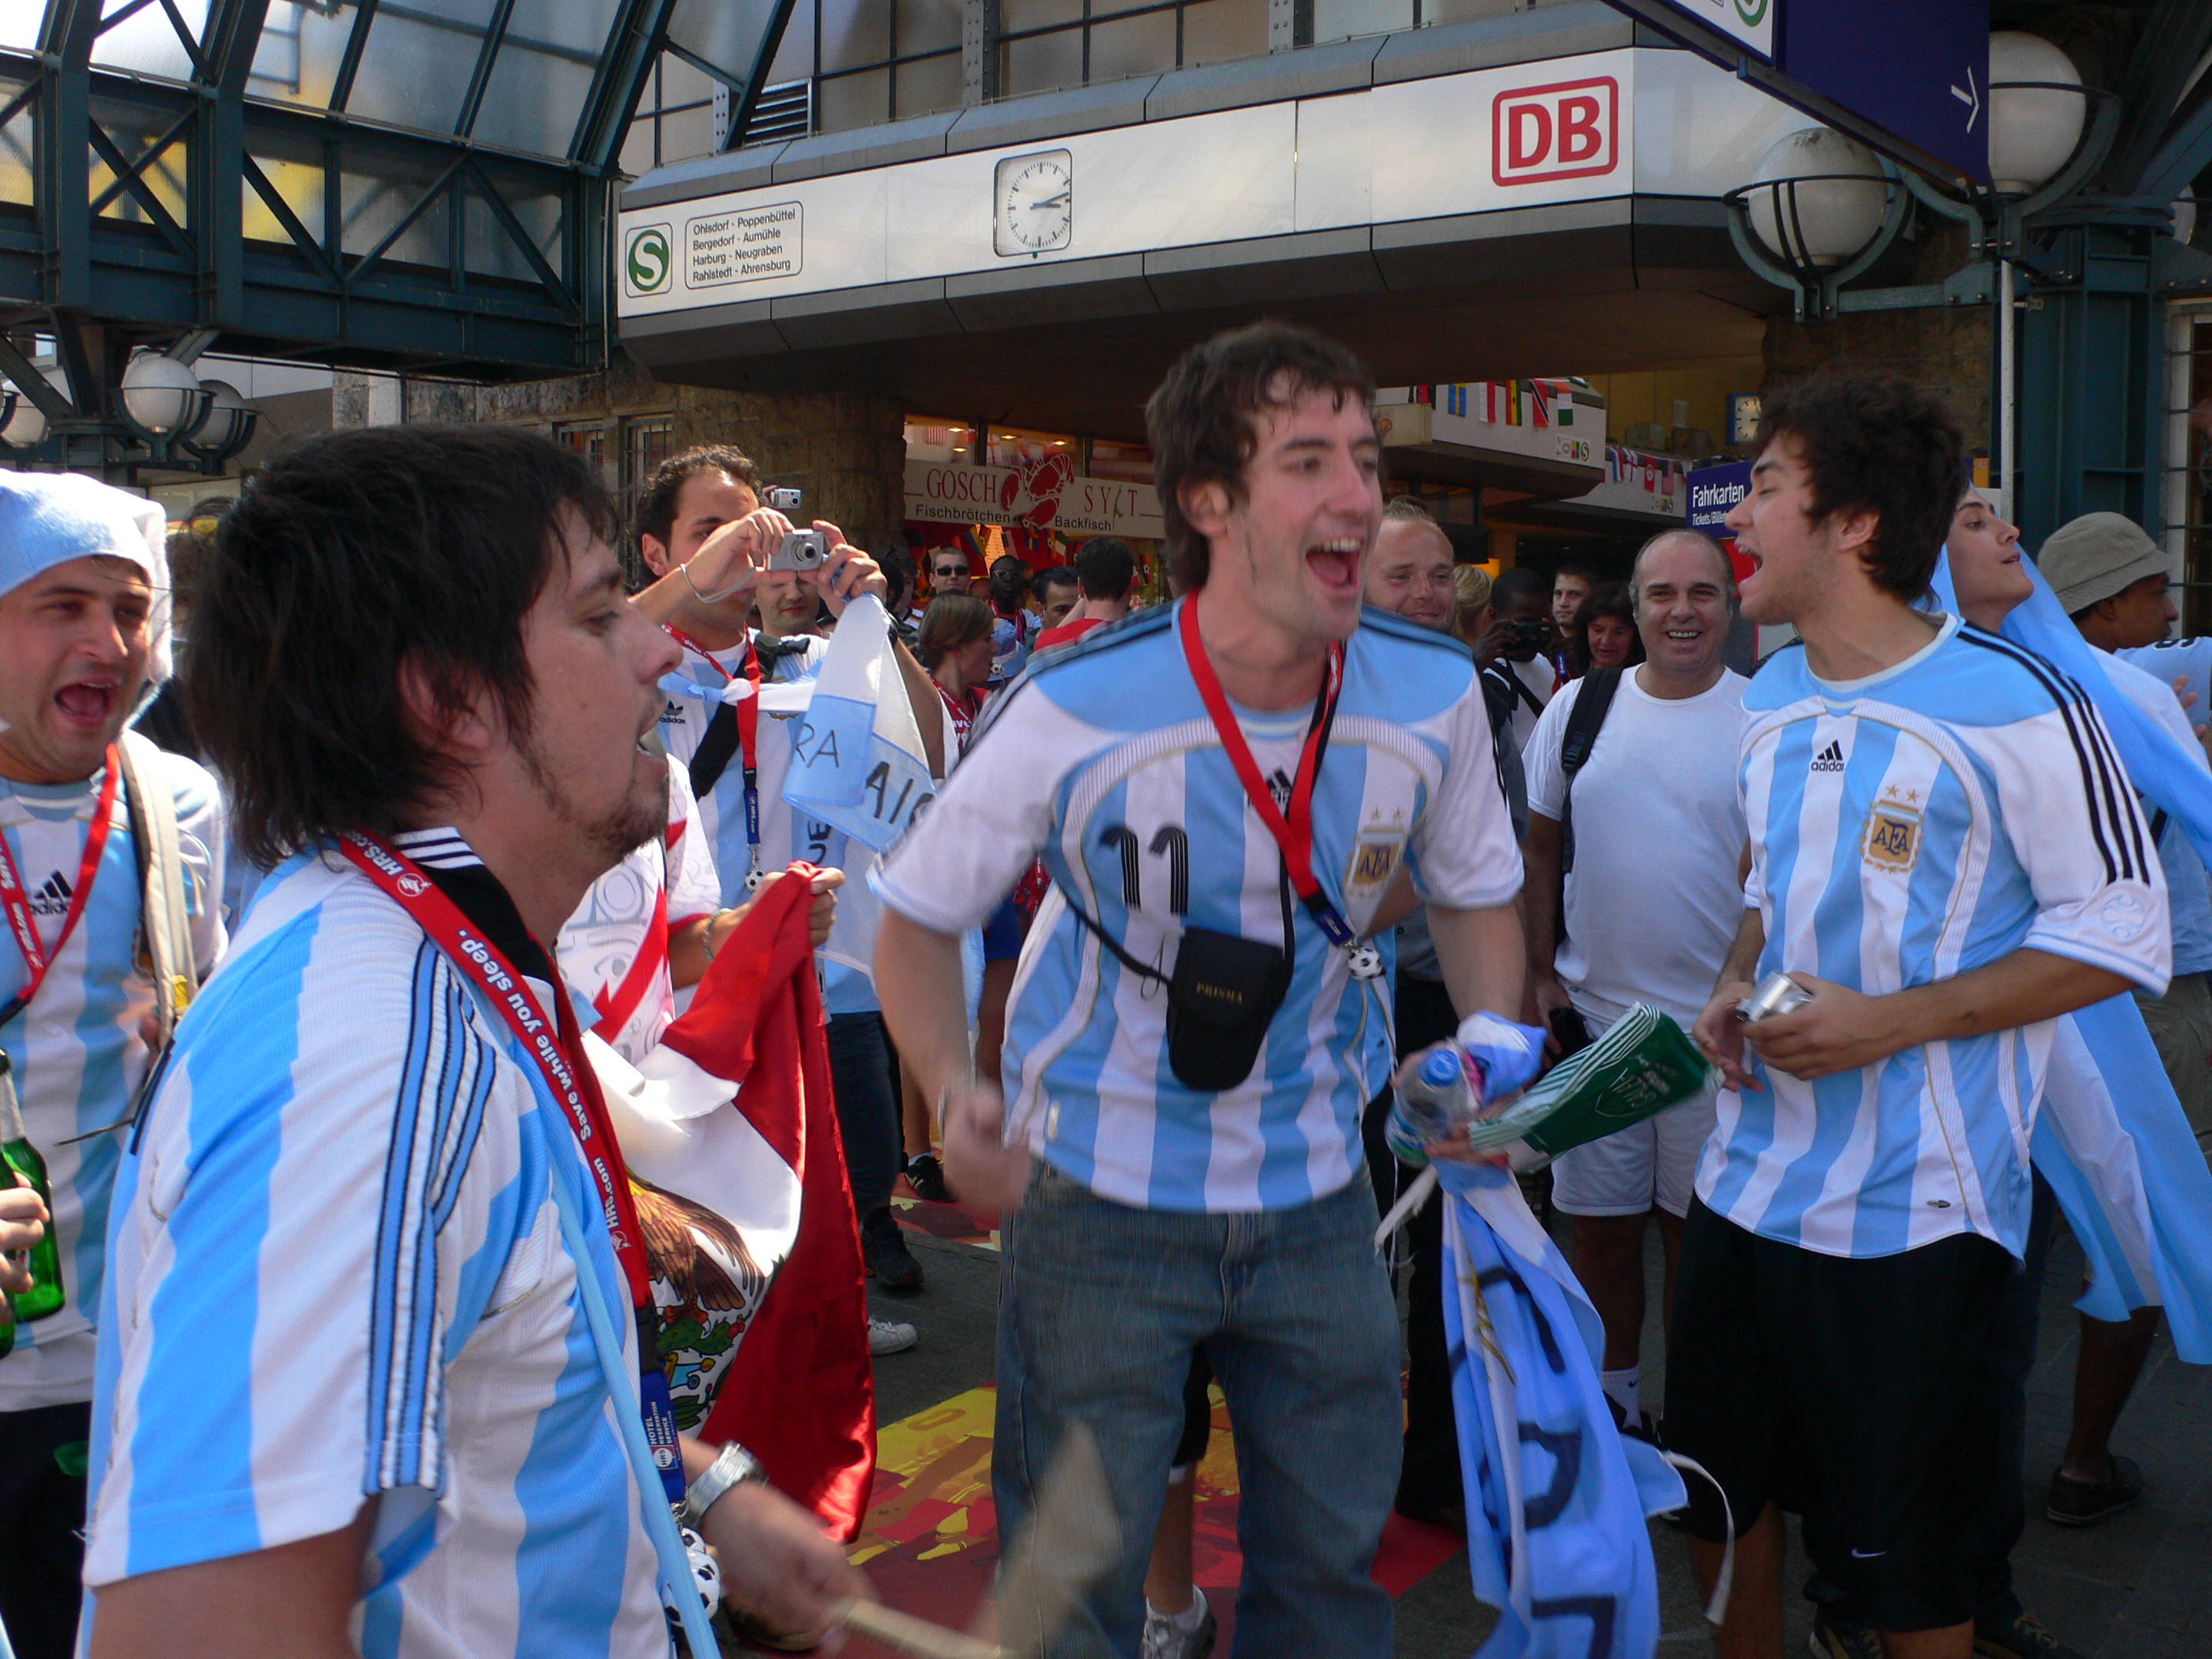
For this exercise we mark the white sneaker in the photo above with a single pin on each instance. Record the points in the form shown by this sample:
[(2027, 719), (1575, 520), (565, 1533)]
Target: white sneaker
[(1167, 1638), (891, 1335)]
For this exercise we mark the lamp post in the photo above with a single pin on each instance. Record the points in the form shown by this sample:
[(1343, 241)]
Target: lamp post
[(2090, 272)]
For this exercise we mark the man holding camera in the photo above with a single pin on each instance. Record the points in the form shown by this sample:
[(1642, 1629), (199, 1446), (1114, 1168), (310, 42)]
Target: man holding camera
[(1515, 652), (1222, 790), (718, 553), (1635, 851)]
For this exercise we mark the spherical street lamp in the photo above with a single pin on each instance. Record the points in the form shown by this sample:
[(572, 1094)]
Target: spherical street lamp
[(1817, 199), (229, 420), (163, 395), (2037, 110), (26, 425)]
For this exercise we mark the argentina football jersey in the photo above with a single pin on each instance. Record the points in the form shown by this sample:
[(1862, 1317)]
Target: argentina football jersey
[(1102, 760), (339, 1277), (1907, 827)]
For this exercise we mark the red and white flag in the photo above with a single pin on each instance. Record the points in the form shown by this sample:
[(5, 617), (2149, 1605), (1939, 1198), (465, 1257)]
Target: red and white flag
[(729, 1127)]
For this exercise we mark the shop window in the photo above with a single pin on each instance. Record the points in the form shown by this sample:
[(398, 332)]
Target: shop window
[(1012, 445), (589, 439), (2189, 461), (648, 444), (1113, 460), (930, 439), (1044, 44)]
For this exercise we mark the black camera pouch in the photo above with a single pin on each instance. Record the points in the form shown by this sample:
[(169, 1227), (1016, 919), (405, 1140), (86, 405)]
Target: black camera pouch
[(1221, 999)]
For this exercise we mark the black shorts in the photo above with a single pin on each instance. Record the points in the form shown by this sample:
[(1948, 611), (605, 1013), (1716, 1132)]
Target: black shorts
[(1851, 1390)]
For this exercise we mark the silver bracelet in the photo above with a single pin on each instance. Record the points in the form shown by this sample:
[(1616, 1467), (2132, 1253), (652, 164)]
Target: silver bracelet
[(706, 934), (705, 599), (734, 1467)]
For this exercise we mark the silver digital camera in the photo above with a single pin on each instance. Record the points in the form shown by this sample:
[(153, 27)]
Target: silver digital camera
[(802, 549), (1777, 994), (784, 500)]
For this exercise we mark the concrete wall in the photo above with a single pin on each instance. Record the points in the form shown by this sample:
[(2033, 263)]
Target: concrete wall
[(1949, 349), (846, 450)]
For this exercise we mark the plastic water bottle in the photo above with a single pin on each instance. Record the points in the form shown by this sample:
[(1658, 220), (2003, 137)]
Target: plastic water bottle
[(1432, 1104)]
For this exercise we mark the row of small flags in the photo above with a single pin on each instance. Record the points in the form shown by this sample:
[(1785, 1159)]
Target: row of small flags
[(1659, 475), (1538, 403)]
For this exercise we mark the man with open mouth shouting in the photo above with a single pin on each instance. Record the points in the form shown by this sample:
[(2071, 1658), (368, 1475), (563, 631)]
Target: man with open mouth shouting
[(84, 809), (1222, 790)]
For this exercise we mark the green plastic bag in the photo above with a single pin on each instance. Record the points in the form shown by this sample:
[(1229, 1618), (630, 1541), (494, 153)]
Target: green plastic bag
[(1638, 1068)]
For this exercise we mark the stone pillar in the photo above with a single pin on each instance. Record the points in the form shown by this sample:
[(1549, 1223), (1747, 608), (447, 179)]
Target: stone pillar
[(846, 450), (1949, 347)]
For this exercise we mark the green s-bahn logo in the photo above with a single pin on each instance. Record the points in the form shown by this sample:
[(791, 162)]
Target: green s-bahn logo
[(1753, 12), (648, 260)]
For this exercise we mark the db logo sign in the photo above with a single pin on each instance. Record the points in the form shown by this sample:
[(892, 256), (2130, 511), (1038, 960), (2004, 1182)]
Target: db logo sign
[(648, 261), (1571, 129)]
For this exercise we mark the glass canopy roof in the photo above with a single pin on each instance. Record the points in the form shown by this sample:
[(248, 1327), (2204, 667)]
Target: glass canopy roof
[(371, 180)]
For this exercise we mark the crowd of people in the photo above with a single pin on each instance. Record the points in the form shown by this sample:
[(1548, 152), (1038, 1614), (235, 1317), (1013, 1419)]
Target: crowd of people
[(391, 1038)]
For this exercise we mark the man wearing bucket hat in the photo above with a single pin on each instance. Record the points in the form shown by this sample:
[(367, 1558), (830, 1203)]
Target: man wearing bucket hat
[(111, 863), (2111, 579)]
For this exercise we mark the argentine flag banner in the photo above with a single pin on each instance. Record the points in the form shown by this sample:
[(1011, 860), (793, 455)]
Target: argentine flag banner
[(857, 761), (1556, 1495), (2112, 1139)]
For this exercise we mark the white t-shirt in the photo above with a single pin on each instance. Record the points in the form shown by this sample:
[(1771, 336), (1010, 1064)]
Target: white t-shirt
[(1653, 900), (1535, 677), (614, 951)]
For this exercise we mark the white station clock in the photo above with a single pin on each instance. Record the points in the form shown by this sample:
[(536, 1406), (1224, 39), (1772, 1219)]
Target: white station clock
[(1034, 197)]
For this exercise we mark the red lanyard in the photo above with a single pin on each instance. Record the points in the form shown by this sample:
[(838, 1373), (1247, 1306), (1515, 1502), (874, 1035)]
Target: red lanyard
[(1293, 832), (17, 902), (558, 1048), (559, 1052), (749, 710)]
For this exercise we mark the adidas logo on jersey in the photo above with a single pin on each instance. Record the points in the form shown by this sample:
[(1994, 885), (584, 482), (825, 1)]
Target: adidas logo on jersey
[(1829, 759), (54, 898)]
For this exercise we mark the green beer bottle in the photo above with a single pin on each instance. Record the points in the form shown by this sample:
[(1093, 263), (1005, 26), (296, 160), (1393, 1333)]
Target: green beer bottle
[(46, 1294)]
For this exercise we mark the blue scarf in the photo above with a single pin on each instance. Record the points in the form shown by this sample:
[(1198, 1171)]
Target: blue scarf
[(2111, 1137), (1556, 1496)]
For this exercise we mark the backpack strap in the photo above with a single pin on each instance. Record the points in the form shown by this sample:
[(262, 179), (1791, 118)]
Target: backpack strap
[(1583, 721), (167, 921)]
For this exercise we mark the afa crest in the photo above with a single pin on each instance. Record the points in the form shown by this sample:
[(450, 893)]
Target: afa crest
[(1375, 858), (1892, 840)]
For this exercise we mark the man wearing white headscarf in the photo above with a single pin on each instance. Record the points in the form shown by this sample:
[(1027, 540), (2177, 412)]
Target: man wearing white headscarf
[(84, 643)]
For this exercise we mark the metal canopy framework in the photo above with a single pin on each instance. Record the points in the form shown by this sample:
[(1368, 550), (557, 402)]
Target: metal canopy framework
[(415, 183)]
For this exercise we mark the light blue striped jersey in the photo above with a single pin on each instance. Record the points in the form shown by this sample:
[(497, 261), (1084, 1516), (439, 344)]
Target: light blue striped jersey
[(785, 832), (2188, 897), (1904, 829), (1101, 760), (78, 1057), (339, 1276)]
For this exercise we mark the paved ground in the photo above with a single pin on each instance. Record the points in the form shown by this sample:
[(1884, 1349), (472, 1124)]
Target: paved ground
[(2138, 1587)]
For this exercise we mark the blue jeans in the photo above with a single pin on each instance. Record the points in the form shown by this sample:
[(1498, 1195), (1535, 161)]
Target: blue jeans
[(1100, 1309)]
